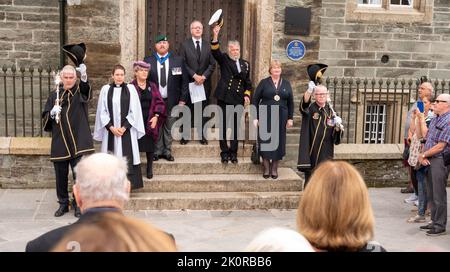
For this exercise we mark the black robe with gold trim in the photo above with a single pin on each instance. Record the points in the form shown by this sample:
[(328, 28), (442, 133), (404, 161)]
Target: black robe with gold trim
[(317, 136), (72, 137)]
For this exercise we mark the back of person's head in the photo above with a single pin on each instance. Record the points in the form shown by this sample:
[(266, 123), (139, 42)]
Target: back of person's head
[(114, 232), (335, 212), (101, 178), (279, 240)]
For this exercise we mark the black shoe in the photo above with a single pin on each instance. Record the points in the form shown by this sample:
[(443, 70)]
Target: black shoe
[(426, 227), (434, 232), (266, 176), (224, 158), (149, 172), (156, 158), (77, 212), (274, 176), (62, 210), (183, 141), (204, 142), (233, 158), (169, 157)]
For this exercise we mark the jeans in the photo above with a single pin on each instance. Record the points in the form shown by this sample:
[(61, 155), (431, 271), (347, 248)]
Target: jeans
[(421, 175)]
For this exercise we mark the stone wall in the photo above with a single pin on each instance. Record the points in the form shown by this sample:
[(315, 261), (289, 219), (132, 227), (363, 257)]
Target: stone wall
[(295, 71), (354, 47), (29, 33)]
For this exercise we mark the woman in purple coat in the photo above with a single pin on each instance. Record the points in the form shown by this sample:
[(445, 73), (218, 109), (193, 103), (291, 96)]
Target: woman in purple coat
[(153, 111)]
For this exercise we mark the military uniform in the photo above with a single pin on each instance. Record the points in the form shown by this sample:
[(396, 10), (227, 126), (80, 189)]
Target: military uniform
[(71, 137), (233, 86)]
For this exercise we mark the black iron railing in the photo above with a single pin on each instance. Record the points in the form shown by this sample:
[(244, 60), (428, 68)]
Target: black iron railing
[(24, 94), (374, 110)]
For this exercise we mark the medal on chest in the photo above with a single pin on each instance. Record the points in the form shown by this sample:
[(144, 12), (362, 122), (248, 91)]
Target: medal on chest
[(276, 97), (316, 116)]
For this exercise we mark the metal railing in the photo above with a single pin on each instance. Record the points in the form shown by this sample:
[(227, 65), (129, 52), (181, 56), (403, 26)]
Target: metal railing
[(23, 93), (354, 98)]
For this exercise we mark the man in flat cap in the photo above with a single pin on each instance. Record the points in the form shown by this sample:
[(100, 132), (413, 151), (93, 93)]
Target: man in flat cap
[(234, 88), (67, 120), (169, 75)]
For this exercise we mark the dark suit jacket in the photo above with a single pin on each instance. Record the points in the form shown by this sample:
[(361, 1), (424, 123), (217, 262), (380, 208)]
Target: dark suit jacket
[(232, 86), (175, 83), (203, 67), (47, 241)]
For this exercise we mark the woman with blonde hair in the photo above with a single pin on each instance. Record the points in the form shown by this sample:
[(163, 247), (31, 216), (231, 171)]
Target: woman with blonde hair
[(273, 93), (114, 232), (335, 213)]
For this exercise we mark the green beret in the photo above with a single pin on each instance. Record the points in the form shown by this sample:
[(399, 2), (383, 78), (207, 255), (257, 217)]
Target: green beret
[(161, 38)]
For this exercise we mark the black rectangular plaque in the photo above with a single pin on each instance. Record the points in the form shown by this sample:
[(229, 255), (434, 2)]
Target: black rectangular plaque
[(297, 21)]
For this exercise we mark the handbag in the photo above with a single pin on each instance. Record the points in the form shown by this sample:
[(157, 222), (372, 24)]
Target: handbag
[(255, 154), (414, 151)]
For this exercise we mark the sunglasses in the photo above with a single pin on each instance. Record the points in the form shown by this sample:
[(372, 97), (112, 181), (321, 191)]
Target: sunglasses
[(440, 101)]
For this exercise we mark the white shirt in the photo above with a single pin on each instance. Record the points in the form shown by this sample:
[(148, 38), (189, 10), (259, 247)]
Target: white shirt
[(195, 43), (238, 66), (162, 90)]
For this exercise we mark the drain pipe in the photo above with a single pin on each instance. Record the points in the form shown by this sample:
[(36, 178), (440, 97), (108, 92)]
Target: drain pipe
[(62, 31)]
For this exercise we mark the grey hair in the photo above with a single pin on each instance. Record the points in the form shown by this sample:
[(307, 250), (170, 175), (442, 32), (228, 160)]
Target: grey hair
[(68, 69), (102, 177), (320, 86), (234, 42), (279, 240), (196, 21), (446, 97)]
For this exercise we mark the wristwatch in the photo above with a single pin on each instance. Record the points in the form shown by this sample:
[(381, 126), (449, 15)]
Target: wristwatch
[(423, 156)]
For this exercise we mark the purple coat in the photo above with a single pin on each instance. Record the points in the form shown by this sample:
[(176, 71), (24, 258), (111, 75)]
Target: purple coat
[(157, 106)]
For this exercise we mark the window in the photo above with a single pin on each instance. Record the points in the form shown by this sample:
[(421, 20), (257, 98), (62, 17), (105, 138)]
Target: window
[(375, 124), (370, 2), (395, 11), (404, 3)]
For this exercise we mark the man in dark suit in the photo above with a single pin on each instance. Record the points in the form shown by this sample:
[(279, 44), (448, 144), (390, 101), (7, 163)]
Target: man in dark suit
[(234, 88), (102, 186), (200, 65), (168, 72)]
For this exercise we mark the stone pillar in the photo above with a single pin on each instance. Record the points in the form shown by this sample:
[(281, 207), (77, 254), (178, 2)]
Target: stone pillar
[(258, 35)]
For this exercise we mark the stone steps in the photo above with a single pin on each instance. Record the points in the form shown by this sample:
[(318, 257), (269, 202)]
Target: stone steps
[(287, 180), (214, 201)]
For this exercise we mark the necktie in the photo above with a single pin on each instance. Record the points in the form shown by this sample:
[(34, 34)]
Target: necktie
[(197, 47), (163, 80)]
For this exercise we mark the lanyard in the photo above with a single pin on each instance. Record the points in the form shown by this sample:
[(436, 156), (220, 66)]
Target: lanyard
[(162, 60)]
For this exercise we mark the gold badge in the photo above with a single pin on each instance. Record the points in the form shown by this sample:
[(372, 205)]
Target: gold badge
[(276, 98), (316, 116)]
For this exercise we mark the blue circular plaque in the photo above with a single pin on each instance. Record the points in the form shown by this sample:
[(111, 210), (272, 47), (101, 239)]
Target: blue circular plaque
[(295, 50)]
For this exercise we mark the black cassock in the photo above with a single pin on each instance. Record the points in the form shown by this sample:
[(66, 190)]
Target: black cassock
[(72, 137), (317, 136)]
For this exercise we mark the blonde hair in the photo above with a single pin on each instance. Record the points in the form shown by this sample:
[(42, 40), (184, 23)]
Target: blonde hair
[(274, 63), (335, 211), (114, 232)]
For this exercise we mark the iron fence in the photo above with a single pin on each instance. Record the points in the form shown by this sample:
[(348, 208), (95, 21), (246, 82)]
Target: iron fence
[(374, 110), (24, 94)]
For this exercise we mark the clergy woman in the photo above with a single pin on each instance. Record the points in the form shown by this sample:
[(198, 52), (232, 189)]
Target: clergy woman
[(153, 111), (274, 94), (119, 123)]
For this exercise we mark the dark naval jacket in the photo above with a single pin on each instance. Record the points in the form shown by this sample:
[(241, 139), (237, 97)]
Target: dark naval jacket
[(317, 136), (232, 86), (71, 137)]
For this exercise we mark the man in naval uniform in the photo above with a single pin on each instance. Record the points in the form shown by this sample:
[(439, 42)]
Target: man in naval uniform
[(234, 88), (321, 128), (69, 124)]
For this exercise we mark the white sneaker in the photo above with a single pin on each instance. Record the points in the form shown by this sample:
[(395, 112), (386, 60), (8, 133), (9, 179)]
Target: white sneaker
[(411, 199)]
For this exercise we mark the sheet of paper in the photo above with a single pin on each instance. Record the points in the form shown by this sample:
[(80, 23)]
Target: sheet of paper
[(197, 92)]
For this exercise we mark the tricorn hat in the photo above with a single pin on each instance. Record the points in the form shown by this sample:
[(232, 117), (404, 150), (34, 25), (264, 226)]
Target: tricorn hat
[(315, 71), (217, 18), (423, 79), (76, 52)]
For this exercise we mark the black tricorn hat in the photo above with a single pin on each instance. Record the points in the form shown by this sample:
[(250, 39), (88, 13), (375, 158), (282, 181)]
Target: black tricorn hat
[(315, 71), (217, 18), (76, 52)]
